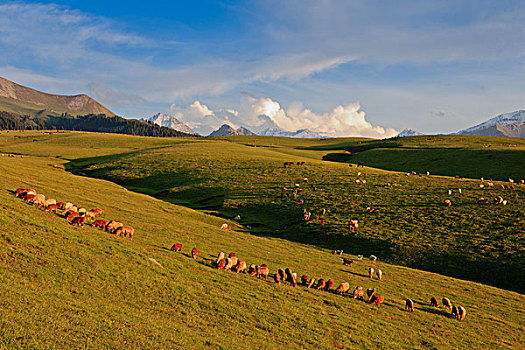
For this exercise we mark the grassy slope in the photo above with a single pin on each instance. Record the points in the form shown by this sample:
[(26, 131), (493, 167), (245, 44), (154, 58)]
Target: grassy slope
[(69, 287), (410, 226)]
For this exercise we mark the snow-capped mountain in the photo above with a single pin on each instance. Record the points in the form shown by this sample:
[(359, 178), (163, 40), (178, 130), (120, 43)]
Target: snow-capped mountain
[(170, 122), (409, 132), (302, 133), (226, 130), (508, 124)]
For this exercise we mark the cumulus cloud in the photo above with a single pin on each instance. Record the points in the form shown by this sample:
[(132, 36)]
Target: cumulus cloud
[(259, 114)]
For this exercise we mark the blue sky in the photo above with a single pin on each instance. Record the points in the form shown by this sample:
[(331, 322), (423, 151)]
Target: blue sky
[(336, 67)]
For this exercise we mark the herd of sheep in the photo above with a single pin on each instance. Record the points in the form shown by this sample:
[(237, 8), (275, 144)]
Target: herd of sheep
[(74, 214)]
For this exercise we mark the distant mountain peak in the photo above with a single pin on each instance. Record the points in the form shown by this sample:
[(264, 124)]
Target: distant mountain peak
[(507, 124), (227, 130), (170, 122), (409, 132)]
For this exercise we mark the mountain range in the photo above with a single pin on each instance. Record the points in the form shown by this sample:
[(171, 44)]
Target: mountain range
[(508, 124), (226, 130), (170, 122)]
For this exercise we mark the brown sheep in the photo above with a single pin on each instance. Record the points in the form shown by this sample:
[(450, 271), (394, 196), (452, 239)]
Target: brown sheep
[(277, 278), (343, 288), (231, 255), (52, 208), (347, 262), (320, 284), (229, 264), (251, 268), (97, 211), (446, 303), (71, 215), (125, 231), (311, 283), (48, 202), (113, 225), (234, 260), (241, 266), (434, 302), (221, 264), (377, 299), (79, 220), (329, 285), (194, 253), (409, 305), (358, 292), (177, 247), (30, 198), (99, 223), (262, 271), (304, 280), (60, 205)]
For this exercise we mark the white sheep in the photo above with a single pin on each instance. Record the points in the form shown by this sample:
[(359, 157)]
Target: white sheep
[(449, 192), (379, 274), (459, 190), (359, 257), (373, 257), (220, 257), (371, 272)]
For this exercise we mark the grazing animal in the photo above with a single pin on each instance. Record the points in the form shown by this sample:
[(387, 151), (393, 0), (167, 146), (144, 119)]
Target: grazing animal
[(320, 284), (462, 312), (231, 255), (343, 288), (377, 299), (52, 208), (409, 305), (311, 283), (379, 274), (353, 225), (251, 268), (446, 303), (348, 262), (68, 206), (229, 264), (282, 274), (304, 280), (359, 257), (82, 211), (371, 272), (90, 214), (241, 266), (221, 264), (40, 200), (70, 215), (22, 192), (99, 223), (434, 302), (358, 292), (338, 252), (79, 220), (373, 257), (447, 202), (30, 198), (177, 247), (194, 253), (262, 271), (97, 211), (50, 201), (220, 257), (277, 278), (370, 292), (329, 285), (360, 164), (113, 225), (124, 231)]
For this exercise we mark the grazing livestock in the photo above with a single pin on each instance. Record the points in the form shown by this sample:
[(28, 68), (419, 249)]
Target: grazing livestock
[(79, 220), (379, 274), (360, 164), (311, 283), (251, 268), (359, 257), (234, 260), (113, 225), (68, 206), (262, 271), (304, 280), (49, 202), (409, 305), (320, 284), (434, 302), (241, 266), (282, 274), (373, 257), (52, 208), (194, 253), (353, 225), (99, 223), (30, 198), (220, 257), (329, 285), (343, 288), (70, 215), (229, 264), (277, 278), (347, 262), (358, 292), (370, 292), (447, 202), (446, 303), (124, 231), (338, 252), (40, 200), (461, 313), (97, 211), (176, 247), (82, 211), (221, 264), (377, 299), (22, 192), (371, 272)]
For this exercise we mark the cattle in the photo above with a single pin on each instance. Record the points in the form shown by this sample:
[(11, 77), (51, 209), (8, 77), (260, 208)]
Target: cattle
[(99, 223), (30, 198), (52, 208), (79, 220), (371, 272), (113, 225), (379, 274), (125, 231), (50, 201), (177, 247), (370, 292), (329, 285), (194, 253), (290, 277), (320, 284), (60, 205), (434, 302), (348, 262), (409, 305), (251, 268)]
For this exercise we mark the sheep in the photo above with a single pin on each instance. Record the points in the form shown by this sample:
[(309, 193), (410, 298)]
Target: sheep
[(234, 260), (82, 211), (99, 223), (358, 292), (241, 266), (409, 305), (124, 231), (370, 292), (311, 283), (462, 312), (371, 272), (446, 303), (343, 288), (262, 271), (52, 208), (447, 202), (70, 215), (40, 200), (277, 278), (379, 274), (229, 264), (304, 280), (329, 285), (113, 225), (373, 258), (50, 201), (220, 257), (97, 211), (434, 302), (281, 274), (347, 262), (338, 252), (221, 264), (30, 198), (79, 220), (449, 192), (251, 268), (320, 284), (377, 299), (194, 253), (353, 225), (359, 257), (176, 247), (68, 206)]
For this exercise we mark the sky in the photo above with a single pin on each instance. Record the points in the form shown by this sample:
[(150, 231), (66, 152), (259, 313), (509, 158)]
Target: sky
[(338, 68)]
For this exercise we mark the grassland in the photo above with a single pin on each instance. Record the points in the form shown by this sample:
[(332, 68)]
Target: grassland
[(72, 287)]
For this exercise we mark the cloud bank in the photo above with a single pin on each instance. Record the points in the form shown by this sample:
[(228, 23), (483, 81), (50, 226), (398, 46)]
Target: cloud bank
[(259, 114)]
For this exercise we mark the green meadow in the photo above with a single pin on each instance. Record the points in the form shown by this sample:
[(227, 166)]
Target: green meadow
[(65, 286)]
